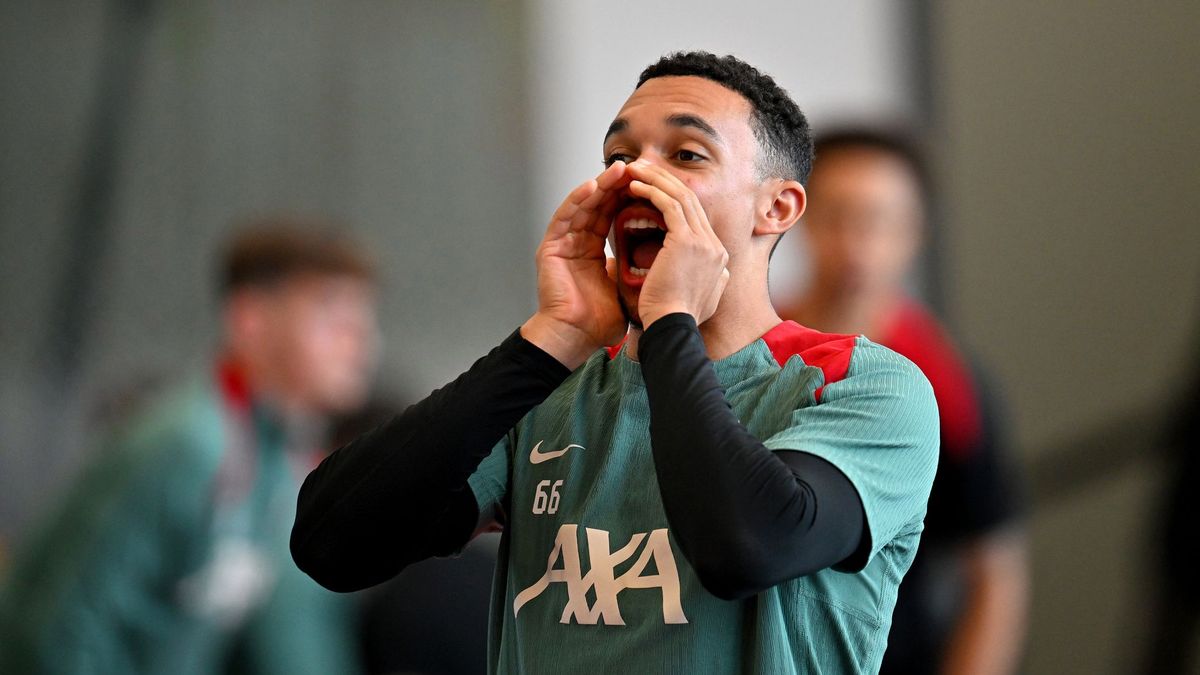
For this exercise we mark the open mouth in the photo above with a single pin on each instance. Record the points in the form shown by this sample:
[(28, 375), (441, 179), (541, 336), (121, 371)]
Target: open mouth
[(640, 232)]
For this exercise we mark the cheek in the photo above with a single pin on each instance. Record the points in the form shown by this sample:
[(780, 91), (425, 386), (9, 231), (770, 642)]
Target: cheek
[(303, 358), (732, 194), (315, 347), (692, 182)]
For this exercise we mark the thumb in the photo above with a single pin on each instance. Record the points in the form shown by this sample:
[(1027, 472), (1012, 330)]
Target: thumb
[(610, 266)]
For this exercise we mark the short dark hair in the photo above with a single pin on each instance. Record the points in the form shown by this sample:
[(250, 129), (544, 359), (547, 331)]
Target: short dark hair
[(268, 251), (898, 144), (781, 129)]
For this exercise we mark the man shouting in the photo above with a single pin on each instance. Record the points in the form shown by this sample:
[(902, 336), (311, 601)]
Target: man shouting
[(721, 492)]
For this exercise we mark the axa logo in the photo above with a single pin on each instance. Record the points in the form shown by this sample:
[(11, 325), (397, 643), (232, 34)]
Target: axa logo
[(537, 457), (564, 566)]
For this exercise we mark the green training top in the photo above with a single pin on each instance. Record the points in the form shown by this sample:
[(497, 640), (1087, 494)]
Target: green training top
[(590, 578), (170, 555)]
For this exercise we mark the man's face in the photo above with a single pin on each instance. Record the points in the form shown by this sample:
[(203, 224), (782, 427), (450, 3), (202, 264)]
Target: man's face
[(322, 340), (863, 222), (700, 132)]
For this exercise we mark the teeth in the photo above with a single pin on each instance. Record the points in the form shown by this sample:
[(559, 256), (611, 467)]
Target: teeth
[(638, 271), (641, 224)]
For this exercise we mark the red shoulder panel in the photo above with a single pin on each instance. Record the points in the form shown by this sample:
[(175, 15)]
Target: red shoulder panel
[(828, 351), (616, 349)]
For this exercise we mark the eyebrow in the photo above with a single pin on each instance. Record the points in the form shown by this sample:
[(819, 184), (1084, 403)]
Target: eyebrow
[(618, 125), (684, 120), (678, 120)]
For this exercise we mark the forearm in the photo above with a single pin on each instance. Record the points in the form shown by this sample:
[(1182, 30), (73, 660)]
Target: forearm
[(744, 516), (990, 632), (399, 493)]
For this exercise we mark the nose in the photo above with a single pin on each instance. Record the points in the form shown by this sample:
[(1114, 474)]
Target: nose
[(652, 157), (662, 160)]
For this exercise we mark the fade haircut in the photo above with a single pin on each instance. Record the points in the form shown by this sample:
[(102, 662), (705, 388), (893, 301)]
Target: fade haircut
[(784, 139), (269, 251)]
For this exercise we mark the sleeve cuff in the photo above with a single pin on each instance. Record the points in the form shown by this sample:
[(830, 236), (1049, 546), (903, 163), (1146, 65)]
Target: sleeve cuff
[(661, 331), (536, 361)]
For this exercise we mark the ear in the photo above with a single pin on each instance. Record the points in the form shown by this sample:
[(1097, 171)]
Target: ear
[(781, 206)]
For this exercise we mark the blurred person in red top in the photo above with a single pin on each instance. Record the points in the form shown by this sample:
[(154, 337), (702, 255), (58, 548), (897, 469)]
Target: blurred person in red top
[(961, 609)]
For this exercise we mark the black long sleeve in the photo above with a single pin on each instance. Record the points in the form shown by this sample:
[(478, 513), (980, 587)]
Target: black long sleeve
[(745, 517), (399, 494)]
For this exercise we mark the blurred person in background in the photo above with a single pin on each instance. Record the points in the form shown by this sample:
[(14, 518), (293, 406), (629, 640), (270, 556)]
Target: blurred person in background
[(169, 554), (1174, 643), (961, 609)]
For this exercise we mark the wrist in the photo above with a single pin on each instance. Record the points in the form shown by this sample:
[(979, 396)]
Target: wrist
[(568, 345), (651, 315), (669, 324)]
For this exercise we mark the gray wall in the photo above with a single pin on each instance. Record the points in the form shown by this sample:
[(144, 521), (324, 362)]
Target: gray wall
[(1072, 251)]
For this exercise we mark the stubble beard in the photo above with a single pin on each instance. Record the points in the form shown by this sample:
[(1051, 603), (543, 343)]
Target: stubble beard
[(630, 317)]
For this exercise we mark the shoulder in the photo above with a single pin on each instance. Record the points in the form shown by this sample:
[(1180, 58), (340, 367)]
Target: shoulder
[(870, 358), (839, 357), (883, 389), (128, 480), (183, 431), (789, 339), (889, 379), (792, 343)]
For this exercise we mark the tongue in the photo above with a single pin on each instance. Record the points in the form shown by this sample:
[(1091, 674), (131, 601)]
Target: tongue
[(645, 253)]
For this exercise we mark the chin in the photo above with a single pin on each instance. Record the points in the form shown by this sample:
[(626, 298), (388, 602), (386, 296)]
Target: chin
[(343, 401), (629, 307)]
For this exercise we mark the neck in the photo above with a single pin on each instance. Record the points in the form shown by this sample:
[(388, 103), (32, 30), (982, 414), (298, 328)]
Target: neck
[(744, 314), (833, 312)]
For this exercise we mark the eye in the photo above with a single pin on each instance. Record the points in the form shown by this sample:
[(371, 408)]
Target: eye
[(689, 156), (618, 156)]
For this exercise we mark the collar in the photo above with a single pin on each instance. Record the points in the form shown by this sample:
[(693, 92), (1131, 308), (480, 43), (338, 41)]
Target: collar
[(234, 385)]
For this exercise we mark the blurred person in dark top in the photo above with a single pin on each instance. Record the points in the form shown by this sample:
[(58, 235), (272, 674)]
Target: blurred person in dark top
[(961, 609), (169, 554), (1174, 628)]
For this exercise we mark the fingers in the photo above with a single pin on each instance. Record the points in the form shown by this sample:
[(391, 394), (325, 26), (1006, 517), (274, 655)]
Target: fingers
[(675, 213), (612, 175), (600, 205), (605, 183), (560, 222), (581, 223), (683, 218), (587, 207), (659, 179)]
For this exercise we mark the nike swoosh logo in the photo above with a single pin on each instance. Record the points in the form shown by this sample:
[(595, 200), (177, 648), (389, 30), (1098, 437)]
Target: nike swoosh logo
[(536, 457)]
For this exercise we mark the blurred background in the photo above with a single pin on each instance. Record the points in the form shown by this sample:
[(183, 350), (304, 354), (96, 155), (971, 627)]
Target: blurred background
[(1065, 252)]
